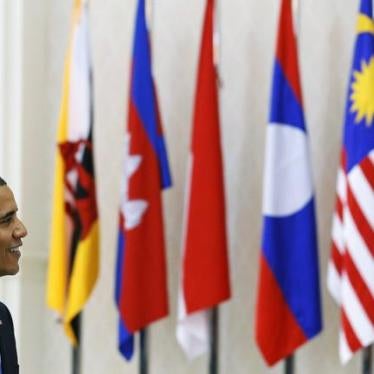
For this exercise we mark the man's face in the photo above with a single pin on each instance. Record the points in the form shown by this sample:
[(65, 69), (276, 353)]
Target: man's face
[(12, 231)]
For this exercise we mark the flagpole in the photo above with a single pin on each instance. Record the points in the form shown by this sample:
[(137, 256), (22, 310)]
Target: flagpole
[(143, 367), (289, 365), (76, 322), (213, 359), (76, 350), (367, 365)]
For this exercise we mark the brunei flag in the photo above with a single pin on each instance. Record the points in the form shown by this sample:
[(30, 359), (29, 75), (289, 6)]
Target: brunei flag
[(288, 304), (74, 257)]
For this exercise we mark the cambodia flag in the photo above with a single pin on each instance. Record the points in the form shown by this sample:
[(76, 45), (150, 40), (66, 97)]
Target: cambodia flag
[(141, 287), (288, 306)]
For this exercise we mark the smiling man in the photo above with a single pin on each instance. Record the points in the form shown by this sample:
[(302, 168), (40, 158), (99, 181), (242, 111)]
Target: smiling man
[(12, 230)]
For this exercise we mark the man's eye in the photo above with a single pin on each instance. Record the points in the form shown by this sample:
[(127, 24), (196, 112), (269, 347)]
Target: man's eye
[(7, 220)]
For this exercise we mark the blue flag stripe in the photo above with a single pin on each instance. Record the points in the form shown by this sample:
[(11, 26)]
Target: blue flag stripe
[(284, 106), (126, 339), (366, 8), (143, 93)]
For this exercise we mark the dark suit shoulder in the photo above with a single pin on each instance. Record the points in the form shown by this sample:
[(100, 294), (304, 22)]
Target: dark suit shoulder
[(5, 315), (8, 350), (4, 309)]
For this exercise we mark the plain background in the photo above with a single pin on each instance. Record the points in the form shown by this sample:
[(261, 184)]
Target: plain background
[(35, 45)]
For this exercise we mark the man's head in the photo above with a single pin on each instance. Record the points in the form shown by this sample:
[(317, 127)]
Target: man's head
[(12, 231)]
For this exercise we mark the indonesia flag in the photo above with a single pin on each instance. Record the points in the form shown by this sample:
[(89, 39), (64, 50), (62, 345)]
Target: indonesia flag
[(288, 305), (351, 266), (205, 273), (141, 289)]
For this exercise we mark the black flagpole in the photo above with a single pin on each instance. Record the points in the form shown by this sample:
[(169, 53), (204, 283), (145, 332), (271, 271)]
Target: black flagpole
[(143, 367), (289, 365), (76, 351), (213, 359), (367, 365)]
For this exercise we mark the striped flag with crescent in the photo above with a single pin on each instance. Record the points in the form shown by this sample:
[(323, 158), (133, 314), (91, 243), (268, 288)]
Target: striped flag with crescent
[(351, 267)]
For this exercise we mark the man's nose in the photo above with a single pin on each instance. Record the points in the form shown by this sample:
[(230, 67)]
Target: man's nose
[(20, 230)]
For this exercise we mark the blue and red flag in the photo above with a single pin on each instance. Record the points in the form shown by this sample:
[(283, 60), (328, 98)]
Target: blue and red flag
[(288, 305), (351, 266), (141, 284)]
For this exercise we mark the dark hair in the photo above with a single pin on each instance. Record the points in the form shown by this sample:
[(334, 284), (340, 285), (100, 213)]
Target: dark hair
[(2, 182)]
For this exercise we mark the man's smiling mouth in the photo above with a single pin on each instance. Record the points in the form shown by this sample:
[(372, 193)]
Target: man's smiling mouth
[(15, 249)]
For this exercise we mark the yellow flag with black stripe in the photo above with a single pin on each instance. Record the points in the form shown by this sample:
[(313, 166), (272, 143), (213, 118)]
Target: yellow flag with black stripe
[(74, 252)]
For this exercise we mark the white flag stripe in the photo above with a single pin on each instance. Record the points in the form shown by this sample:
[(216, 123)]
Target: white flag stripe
[(192, 330), (363, 193), (338, 234), (80, 86), (333, 282), (341, 185), (193, 335), (356, 313), (358, 251), (345, 352)]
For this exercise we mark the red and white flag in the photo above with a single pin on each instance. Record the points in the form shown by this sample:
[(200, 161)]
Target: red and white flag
[(205, 271)]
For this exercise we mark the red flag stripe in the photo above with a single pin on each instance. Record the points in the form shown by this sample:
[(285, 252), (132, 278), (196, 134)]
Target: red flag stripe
[(282, 326), (355, 312), (352, 340), (359, 252), (286, 52), (340, 193), (367, 168), (339, 208), (360, 287), (338, 234), (363, 192), (337, 259), (359, 218), (343, 160)]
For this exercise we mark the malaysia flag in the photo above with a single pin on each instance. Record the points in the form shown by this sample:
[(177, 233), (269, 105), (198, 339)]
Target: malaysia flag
[(141, 287), (288, 305), (351, 266)]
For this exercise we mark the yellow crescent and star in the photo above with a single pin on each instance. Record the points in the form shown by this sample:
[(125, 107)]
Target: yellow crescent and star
[(362, 96)]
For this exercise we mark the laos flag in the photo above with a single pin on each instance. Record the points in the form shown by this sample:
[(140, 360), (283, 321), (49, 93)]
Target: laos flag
[(141, 289), (288, 305)]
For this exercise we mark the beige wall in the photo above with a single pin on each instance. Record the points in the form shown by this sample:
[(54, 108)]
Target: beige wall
[(247, 35)]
